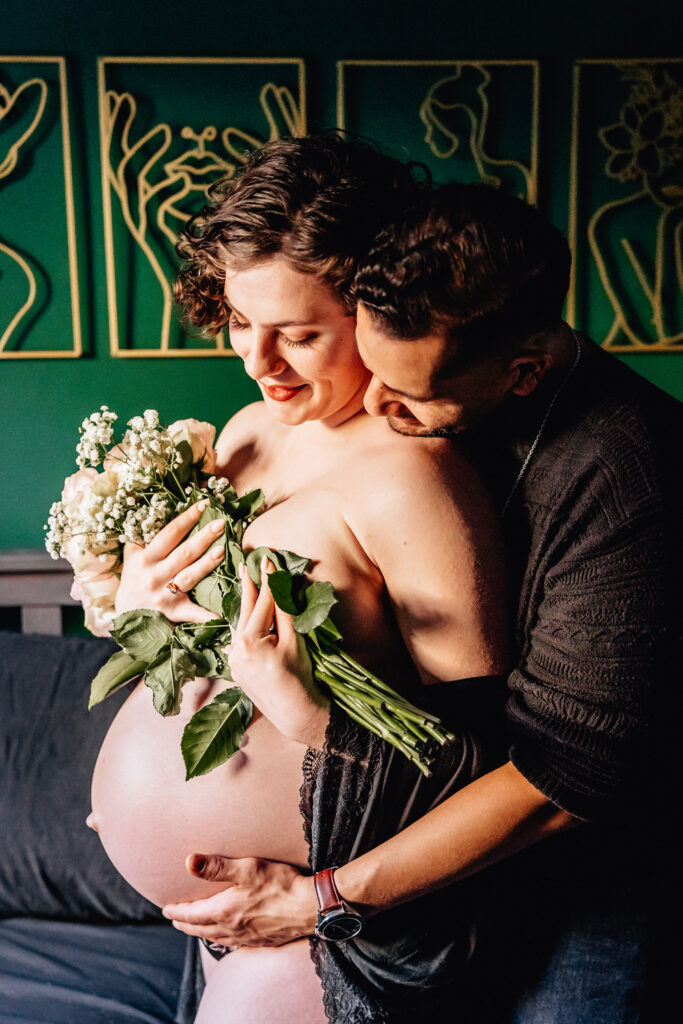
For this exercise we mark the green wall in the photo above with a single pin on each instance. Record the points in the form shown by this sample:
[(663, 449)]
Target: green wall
[(42, 401)]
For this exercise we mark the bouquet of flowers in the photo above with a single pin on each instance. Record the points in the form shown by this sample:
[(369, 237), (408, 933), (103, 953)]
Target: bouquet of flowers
[(148, 478)]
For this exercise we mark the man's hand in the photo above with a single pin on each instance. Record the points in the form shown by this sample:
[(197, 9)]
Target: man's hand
[(265, 903)]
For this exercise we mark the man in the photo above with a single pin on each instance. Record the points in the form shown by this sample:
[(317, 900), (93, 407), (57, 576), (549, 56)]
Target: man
[(459, 320)]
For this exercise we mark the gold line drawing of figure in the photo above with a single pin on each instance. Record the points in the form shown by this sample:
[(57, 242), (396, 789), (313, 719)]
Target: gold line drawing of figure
[(645, 149), (157, 197), (21, 112), (455, 113)]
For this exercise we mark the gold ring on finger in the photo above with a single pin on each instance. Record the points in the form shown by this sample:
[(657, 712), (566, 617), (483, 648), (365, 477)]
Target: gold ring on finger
[(173, 587)]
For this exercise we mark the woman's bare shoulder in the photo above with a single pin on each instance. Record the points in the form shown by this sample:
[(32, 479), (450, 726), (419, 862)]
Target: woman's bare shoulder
[(421, 514), (242, 437), (394, 467)]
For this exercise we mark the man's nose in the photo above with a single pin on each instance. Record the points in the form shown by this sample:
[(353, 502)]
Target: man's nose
[(378, 400), (262, 358)]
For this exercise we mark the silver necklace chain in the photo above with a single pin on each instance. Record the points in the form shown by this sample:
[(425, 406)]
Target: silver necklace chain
[(537, 439)]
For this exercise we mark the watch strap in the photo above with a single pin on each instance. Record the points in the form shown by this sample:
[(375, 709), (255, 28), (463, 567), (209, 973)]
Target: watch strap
[(326, 890)]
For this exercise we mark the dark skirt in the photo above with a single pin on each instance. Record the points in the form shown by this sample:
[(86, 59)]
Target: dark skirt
[(358, 793)]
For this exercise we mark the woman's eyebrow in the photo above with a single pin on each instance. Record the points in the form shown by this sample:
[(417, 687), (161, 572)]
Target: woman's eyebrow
[(281, 323)]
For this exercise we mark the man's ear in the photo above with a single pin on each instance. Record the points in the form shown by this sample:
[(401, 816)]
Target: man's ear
[(527, 371)]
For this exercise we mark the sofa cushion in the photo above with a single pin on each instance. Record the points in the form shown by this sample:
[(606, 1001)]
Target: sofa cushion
[(51, 865), (59, 972)]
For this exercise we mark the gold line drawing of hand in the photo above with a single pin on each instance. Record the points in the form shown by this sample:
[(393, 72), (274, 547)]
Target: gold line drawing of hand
[(158, 196), (21, 112), (455, 113), (283, 117)]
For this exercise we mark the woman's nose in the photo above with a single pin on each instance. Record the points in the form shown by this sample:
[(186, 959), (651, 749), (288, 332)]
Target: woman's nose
[(262, 358)]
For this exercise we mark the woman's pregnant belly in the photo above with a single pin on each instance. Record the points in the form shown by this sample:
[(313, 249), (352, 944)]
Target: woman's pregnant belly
[(149, 818)]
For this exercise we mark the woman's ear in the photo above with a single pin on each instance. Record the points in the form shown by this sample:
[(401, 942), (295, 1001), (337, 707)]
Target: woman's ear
[(528, 371)]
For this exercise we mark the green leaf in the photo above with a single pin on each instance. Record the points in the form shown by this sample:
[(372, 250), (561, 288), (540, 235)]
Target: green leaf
[(282, 560), (203, 643), (319, 599), (295, 563), (142, 633), (215, 732), (328, 630), (120, 669), (205, 662), (201, 634), (222, 667), (183, 472), (246, 506), (254, 559), (165, 677), (288, 590), (232, 603), (235, 557), (209, 593)]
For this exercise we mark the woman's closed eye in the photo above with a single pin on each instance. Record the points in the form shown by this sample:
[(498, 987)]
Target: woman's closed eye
[(241, 325), (236, 325), (297, 343)]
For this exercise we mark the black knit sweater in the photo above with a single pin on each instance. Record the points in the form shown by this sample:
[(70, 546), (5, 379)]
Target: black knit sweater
[(595, 549)]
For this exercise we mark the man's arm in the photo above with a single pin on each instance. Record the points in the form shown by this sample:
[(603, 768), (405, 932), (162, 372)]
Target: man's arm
[(490, 819), (268, 903)]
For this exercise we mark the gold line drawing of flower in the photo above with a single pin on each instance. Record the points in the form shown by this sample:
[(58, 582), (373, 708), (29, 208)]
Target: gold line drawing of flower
[(645, 151), (648, 138)]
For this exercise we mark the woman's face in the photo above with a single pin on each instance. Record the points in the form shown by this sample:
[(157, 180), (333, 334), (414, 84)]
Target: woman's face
[(297, 342)]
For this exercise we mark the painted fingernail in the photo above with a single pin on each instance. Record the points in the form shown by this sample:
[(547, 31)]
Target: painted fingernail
[(218, 551), (217, 526)]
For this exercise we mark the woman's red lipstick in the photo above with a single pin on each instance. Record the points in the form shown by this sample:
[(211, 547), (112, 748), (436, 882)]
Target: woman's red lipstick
[(281, 394)]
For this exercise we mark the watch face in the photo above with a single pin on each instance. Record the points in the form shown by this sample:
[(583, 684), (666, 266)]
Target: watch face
[(339, 926)]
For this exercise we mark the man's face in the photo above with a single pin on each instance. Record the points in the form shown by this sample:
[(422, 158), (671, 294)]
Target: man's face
[(414, 388)]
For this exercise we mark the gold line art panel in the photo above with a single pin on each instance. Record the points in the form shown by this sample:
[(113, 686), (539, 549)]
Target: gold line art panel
[(39, 290), (467, 120), (169, 129), (626, 216)]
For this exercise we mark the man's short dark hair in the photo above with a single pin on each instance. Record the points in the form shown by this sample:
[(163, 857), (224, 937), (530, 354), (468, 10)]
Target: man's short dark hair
[(486, 268)]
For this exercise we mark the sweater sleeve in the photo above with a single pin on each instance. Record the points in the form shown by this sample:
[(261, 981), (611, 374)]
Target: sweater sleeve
[(598, 649)]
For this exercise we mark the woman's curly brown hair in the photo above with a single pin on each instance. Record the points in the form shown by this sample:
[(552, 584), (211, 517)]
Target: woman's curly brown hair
[(319, 201)]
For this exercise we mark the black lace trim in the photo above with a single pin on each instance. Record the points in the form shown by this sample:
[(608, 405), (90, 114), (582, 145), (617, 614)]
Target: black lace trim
[(356, 793), (336, 783)]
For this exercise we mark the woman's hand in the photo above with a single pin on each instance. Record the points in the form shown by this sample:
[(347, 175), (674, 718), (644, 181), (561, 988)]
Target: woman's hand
[(273, 668), (147, 571)]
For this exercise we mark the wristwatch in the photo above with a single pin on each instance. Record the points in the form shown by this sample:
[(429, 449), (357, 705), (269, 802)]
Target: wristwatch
[(336, 922)]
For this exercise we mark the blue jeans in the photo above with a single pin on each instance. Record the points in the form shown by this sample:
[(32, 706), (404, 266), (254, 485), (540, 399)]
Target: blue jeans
[(596, 973), (567, 937)]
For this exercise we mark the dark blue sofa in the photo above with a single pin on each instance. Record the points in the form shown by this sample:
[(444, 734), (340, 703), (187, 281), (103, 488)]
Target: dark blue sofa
[(77, 944)]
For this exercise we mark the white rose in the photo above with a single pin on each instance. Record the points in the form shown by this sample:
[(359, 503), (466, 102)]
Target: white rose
[(97, 595), (200, 436), (76, 493), (95, 582)]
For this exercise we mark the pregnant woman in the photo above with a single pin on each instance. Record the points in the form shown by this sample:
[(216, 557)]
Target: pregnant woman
[(404, 532)]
